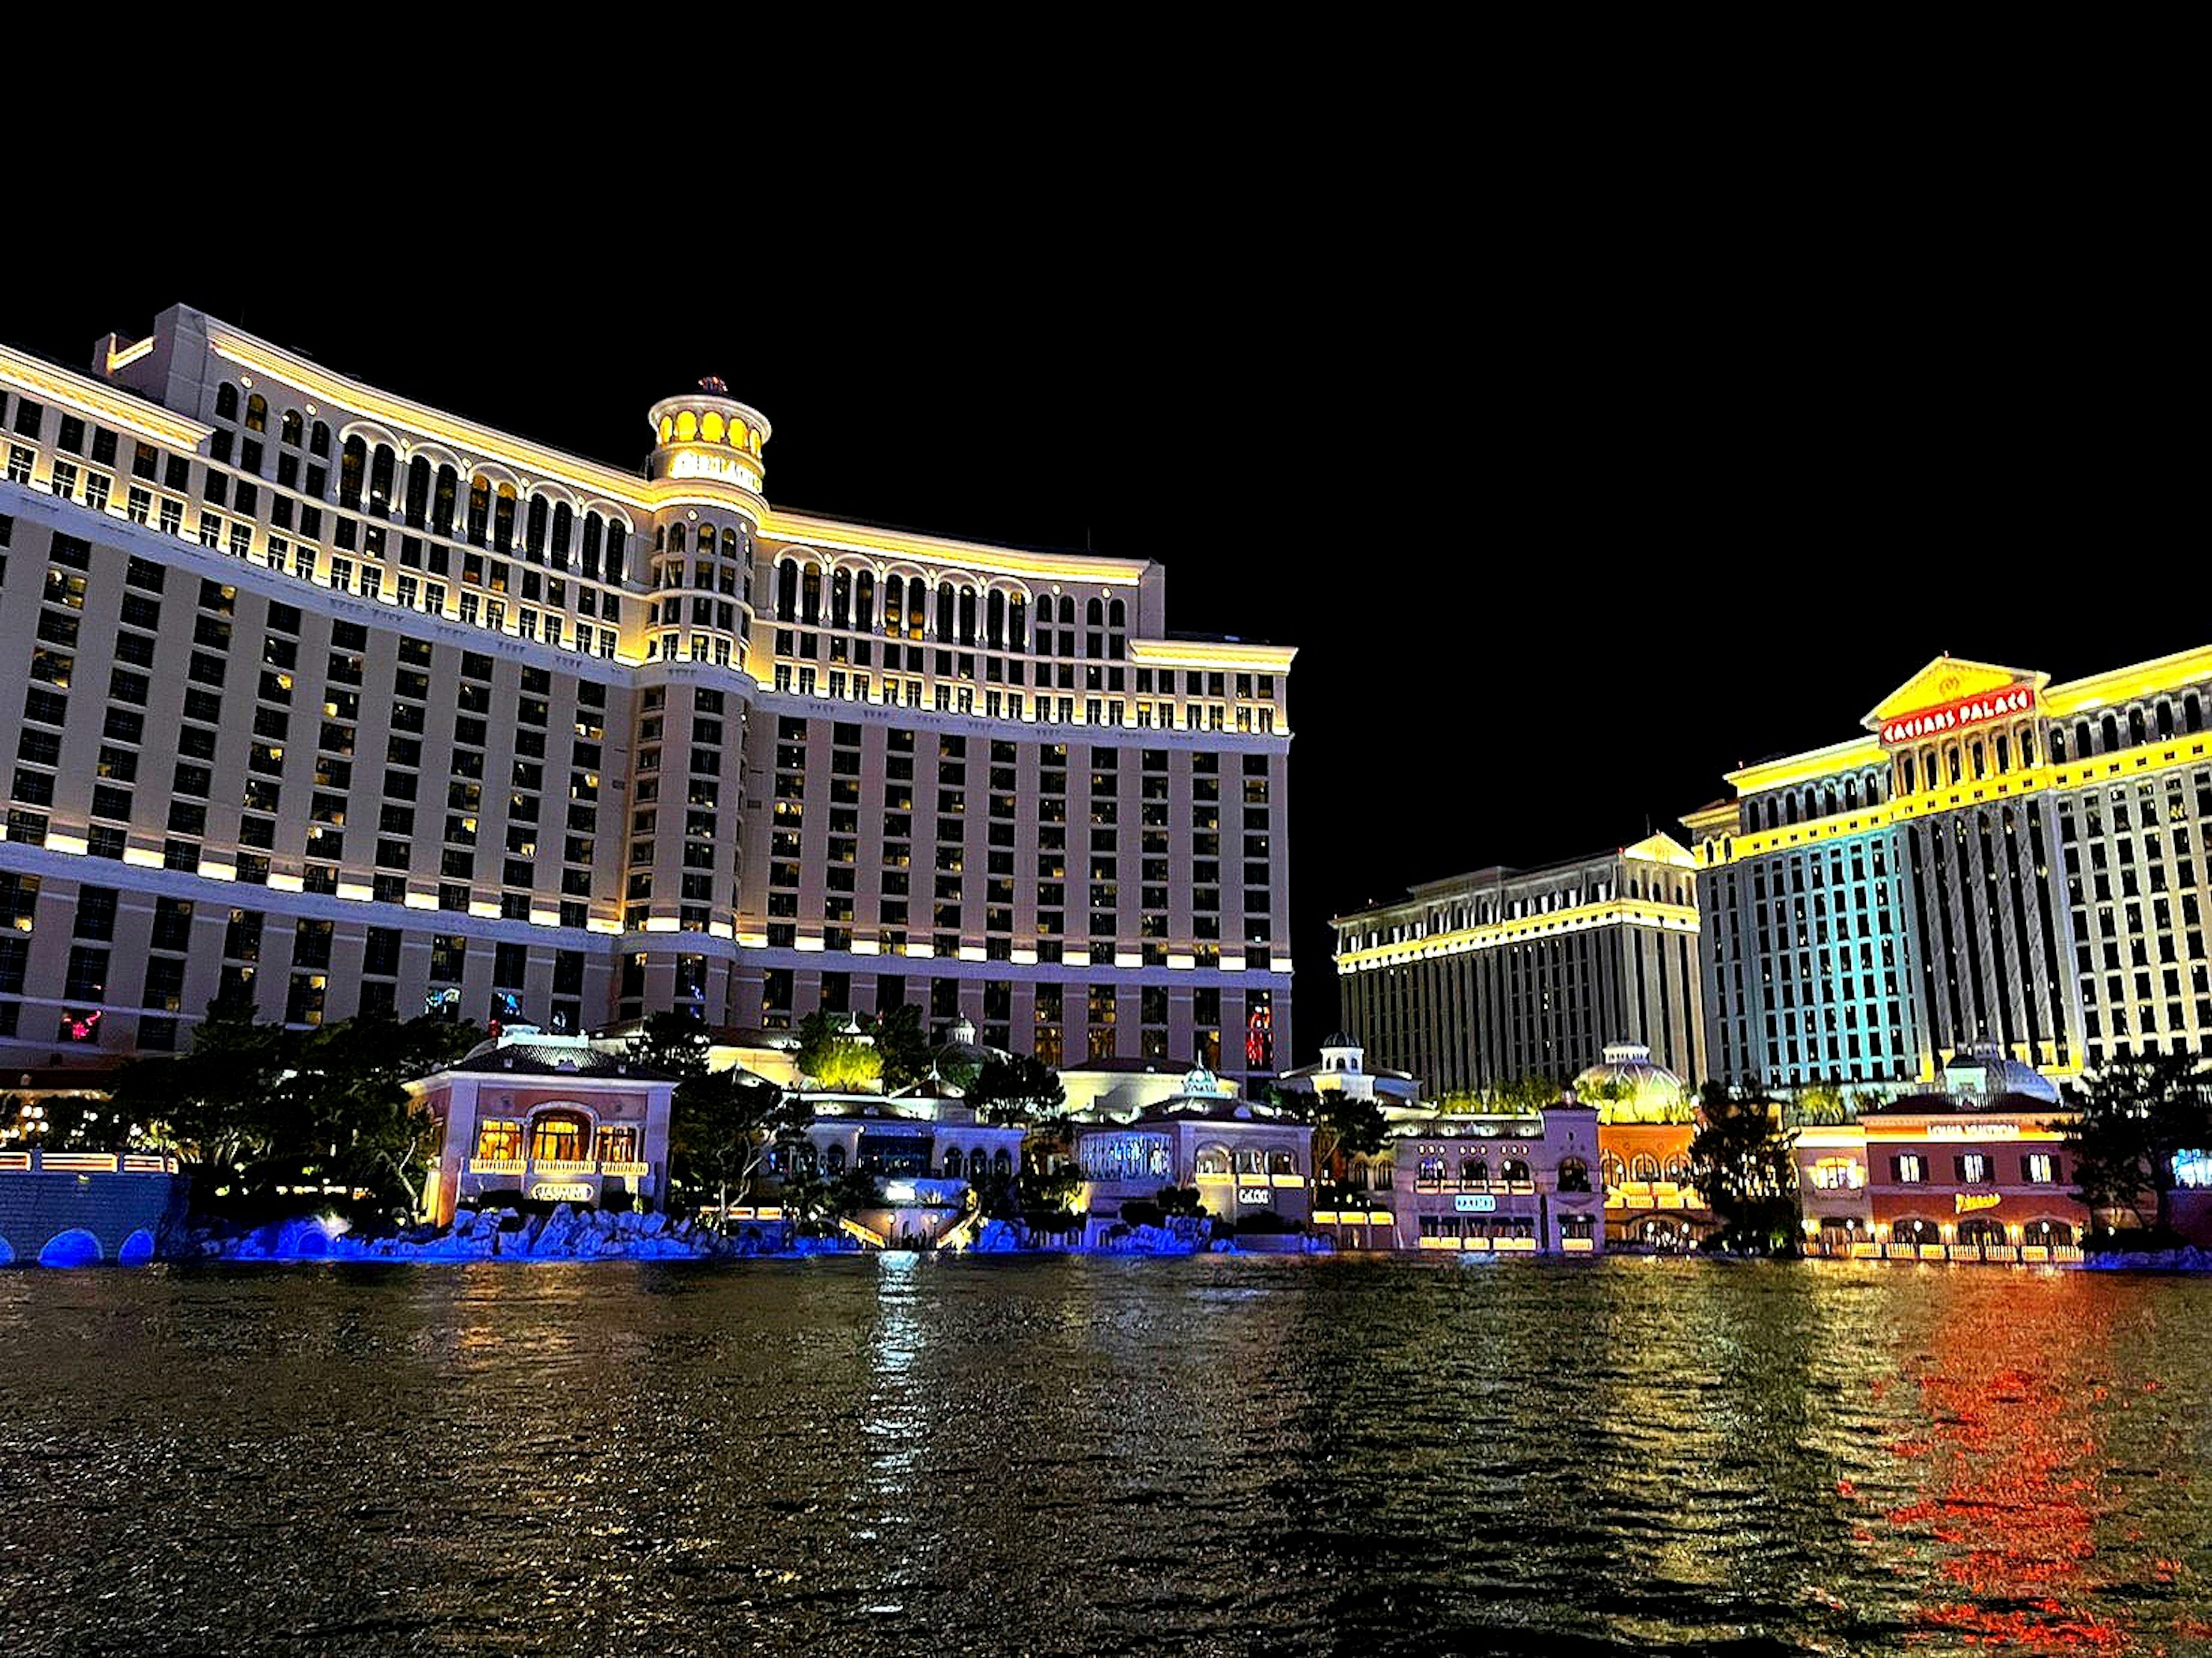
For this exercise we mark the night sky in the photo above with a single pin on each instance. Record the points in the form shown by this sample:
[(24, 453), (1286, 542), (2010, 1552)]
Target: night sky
[(1568, 508)]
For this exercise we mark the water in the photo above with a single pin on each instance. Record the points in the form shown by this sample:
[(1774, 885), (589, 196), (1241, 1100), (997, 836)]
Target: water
[(1101, 1456)]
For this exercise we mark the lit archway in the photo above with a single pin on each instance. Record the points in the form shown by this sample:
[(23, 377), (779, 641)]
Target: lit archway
[(74, 1247), (137, 1249)]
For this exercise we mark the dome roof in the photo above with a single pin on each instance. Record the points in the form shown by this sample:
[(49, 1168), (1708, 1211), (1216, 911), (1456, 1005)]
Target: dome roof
[(1340, 1039), (1626, 1086)]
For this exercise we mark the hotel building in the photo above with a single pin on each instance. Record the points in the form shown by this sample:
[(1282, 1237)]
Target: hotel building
[(340, 701), (1503, 974), (1996, 860)]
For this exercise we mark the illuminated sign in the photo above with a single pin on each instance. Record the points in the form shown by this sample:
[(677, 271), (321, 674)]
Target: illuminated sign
[(548, 1191), (704, 463), (1254, 1194), (902, 1193), (1973, 1131), (1967, 711), (1475, 1203), (1966, 1202)]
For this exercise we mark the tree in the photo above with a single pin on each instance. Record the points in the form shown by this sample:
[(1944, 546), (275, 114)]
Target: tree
[(834, 1052), (2136, 1117), (671, 1042), (1017, 1090), (1524, 1095), (903, 1043), (722, 1125), (1740, 1160), (71, 1122), (1345, 1125)]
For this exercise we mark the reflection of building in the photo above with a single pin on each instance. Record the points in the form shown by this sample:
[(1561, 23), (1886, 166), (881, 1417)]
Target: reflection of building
[(1996, 859), (339, 701), (1244, 1159), (1505, 973), (553, 1119), (1477, 1182), (1645, 1125)]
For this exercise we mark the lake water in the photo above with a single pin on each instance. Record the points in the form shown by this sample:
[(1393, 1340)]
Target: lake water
[(1103, 1455)]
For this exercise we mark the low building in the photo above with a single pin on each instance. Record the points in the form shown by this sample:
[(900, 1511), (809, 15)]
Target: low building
[(1245, 1160), (1343, 1069), (1478, 1182), (546, 1118), (928, 1153), (1645, 1124)]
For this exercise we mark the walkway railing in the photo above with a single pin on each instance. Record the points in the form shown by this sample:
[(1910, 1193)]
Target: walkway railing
[(32, 1162)]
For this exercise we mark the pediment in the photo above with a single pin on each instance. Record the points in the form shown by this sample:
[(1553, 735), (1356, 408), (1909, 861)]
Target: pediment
[(1949, 680)]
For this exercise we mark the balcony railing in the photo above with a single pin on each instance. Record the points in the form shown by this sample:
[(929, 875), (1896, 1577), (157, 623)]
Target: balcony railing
[(32, 1161)]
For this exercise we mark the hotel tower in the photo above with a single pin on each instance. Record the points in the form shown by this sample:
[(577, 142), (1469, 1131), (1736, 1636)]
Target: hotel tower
[(1995, 862), (340, 701)]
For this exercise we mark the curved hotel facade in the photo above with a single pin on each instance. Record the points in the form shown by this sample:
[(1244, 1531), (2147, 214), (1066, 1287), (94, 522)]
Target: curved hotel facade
[(342, 701)]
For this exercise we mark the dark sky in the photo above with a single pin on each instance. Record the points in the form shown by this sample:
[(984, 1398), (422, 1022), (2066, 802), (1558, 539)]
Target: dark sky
[(1573, 493)]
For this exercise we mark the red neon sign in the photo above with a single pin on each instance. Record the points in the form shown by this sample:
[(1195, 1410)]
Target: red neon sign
[(1967, 711)]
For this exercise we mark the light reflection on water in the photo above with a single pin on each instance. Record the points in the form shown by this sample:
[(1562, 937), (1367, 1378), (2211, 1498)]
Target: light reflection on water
[(1081, 1455)]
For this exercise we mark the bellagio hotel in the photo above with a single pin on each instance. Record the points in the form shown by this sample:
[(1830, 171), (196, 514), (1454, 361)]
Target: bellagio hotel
[(340, 701)]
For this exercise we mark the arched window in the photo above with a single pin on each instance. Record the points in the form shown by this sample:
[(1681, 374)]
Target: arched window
[(729, 541), (1117, 616), (841, 598), (916, 599), (564, 532), (2112, 733), (1094, 613), (1615, 1172), (864, 601), (1474, 1171), (352, 465), (834, 1162), (442, 503), (995, 620), (291, 430), (319, 440), (1644, 1167), (2192, 713), (1018, 626), (1514, 1172), (1002, 1165), (1431, 1170), (1066, 610), (952, 1163), (535, 526), (257, 413), (1981, 760), (810, 594), (1282, 1163), (1574, 1175), (894, 602), (2027, 745), (675, 541), (1678, 1169), (418, 490), (945, 624), (503, 520), (2005, 752), (1214, 1160), (786, 592), (479, 509), (226, 402), (383, 474), (2137, 735), (593, 529), (1250, 1161), (967, 616), (560, 1137)]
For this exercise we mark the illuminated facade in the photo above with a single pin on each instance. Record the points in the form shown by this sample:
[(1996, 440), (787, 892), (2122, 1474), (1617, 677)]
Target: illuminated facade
[(1244, 1160), (1505, 974), (1475, 1183), (338, 702), (1998, 860)]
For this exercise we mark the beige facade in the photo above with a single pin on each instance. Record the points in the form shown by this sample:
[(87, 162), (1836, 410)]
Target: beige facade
[(335, 701), (1503, 974)]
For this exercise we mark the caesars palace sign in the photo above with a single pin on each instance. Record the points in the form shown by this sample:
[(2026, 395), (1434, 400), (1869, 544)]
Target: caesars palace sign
[(1967, 711)]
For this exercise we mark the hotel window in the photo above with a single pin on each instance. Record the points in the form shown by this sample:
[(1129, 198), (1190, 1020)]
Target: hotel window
[(1974, 1169), (499, 1140), (1908, 1168), (619, 1143), (2040, 1168)]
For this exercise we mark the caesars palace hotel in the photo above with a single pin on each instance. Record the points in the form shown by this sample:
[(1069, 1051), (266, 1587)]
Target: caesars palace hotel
[(346, 702), (1996, 861)]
